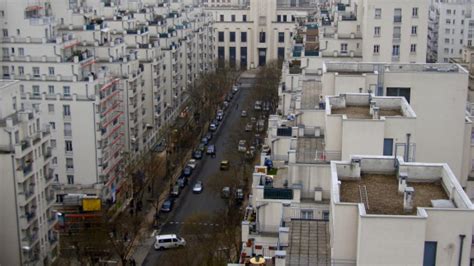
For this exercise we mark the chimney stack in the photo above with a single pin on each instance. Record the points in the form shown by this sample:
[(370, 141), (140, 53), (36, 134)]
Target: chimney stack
[(408, 199), (402, 182), (375, 115)]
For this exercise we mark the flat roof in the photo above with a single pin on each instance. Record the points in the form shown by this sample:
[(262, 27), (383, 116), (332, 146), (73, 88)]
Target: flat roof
[(383, 196), (308, 243), (311, 92), (363, 112), (306, 148), (357, 67)]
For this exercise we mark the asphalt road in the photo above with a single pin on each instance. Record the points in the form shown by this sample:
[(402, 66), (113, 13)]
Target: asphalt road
[(208, 201)]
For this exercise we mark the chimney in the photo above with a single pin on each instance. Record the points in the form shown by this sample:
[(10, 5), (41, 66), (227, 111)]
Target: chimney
[(402, 182), (375, 115), (372, 104), (408, 199)]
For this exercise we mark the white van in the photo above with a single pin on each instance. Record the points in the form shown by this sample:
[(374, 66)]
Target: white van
[(168, 241)]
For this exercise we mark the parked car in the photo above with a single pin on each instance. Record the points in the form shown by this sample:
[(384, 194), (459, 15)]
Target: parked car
[(266, 106), (225, 192), (253, 119), (182, 181), (192, 163), (175, 190), (168, 241), (212, 127), (209, 136), (211, 150), (167, 205), (248, 127), (204, 141), (187, 171), (198, 187), (258, 105), (197, 154), (243, 113), (201, 147), (242, 145), (220, 115), (260, 125), (239, 195), (235, 89), (224, 165), (226, 104)]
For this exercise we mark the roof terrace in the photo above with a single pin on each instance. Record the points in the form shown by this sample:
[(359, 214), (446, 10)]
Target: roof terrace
[(355, 67), (366, 106), (383, 196)]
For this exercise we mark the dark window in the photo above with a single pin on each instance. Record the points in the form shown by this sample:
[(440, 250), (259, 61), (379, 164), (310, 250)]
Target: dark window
[(221, 55), (243, 37), (232, 58), (278, 18), (429, 256), (262, 37), (243, 57), (244, 17), (281, 53), (222, 17), (387, 147), (405, 92), (292, 18), (232, 36), (281, 37), (221, 36), (284, 18), (232, 17)]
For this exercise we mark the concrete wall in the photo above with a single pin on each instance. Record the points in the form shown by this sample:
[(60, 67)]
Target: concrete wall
[(362, 137), (310, 176)]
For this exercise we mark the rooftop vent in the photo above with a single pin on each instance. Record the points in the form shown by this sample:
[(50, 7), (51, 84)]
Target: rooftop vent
[(408, 199)]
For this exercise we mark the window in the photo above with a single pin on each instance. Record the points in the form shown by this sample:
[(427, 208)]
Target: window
[(221, 36), (469, 42), (414, 30), (232, 57), (36, 90), (244, 18), (447, 31), (376, 49), (51, 71), (66, 110), (5, 32), (68, 145), (262, 37), (232, 17), (414, 12), (446, 50), (232, 36), (343, 47), (281, 37), (397, 32), (21, 51), (67, 91), (52, 125), (448, 11), (306, 214), (377, 31), (387, 147), (67, 129), (284, 18), (21, 70), (446, 40), (70, 179), (36, 72), (448, 21), (51, 89), (404, 92), (396, 50), (429, 254), (278, 18), (222, 17), (397, 15), (378, 13), (51, 108), (243, 37), (281, 53), (220, 55), (243, 57), (53, 143), (413, 48)]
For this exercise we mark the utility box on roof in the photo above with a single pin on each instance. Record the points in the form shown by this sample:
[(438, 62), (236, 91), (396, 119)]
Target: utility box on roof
[(91, 204)]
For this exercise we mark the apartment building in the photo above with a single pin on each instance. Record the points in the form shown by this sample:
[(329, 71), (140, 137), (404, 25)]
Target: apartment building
[(250, 36), (450, 28), (374, 31), (386, 210), (27, 194)]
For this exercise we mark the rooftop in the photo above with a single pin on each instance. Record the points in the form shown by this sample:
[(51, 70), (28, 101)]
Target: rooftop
[(311, 91), (307, 149), (355, 67), (363, 112), (308, 243), (383, 196)]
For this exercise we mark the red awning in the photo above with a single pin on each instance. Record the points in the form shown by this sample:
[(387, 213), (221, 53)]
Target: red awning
[(33, 8)]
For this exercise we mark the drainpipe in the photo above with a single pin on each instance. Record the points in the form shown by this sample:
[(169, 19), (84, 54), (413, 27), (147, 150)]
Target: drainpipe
[(461, 240), (408, 148)]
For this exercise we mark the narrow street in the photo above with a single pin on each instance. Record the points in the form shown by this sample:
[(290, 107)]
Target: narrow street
[(208, 201)]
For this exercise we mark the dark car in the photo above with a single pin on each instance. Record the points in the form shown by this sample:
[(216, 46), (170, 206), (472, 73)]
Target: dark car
[(205, 141), (182, 181), (202, 147), (209, 136), (197, 154), (187, 171), (167, 205)]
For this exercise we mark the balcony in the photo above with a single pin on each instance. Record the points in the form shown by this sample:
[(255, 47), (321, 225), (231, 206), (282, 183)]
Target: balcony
[(27, 168), (278, 193), (47, 153), (25, 144)]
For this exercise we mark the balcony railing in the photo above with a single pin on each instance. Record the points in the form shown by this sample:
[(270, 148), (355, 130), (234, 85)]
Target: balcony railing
[(27, 168), (278, 193)]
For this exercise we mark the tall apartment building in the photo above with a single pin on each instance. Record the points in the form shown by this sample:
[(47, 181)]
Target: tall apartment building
[(375, 30), (107, 75), (27, 194), (250, 36), (450, 28)]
